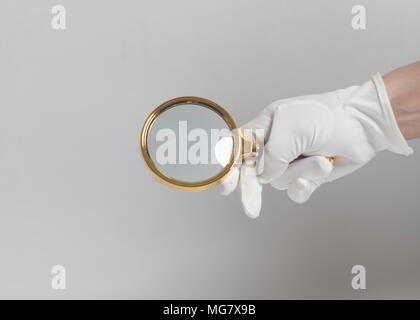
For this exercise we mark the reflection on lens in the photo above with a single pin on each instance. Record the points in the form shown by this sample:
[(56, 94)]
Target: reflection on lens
[(182, 142)]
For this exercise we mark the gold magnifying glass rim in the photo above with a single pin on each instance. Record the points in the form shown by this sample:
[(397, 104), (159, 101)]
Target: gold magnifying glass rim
[(187, 185)]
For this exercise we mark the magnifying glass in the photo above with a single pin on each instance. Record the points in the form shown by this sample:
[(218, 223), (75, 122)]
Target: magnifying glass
[(179, 140)]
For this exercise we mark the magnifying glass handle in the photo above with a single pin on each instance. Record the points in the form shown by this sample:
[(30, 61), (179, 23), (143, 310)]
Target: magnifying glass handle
[(331, 159), (250, 149)]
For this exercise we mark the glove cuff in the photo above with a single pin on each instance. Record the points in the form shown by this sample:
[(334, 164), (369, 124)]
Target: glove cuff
[(395, 139), (371, 106)]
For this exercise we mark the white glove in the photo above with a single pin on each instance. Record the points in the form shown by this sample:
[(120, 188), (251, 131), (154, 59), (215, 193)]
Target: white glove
[(351, 125)]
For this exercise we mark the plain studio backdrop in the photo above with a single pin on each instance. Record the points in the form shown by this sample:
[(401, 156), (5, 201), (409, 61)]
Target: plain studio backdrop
[(75, 192)]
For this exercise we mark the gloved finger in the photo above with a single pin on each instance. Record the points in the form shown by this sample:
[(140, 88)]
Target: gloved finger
[(223, 150), (311, 172), (280, 148), (251, 190), (270, 168), (301, 189), (313, 168)]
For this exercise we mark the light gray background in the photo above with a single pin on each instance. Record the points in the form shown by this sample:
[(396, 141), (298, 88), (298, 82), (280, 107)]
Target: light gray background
[(74, 190)]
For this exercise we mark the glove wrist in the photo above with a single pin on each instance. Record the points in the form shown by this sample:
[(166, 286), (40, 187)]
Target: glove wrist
[(396, 141), (374, 111)]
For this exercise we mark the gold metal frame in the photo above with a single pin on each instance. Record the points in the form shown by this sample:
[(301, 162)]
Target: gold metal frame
[(185, 185)]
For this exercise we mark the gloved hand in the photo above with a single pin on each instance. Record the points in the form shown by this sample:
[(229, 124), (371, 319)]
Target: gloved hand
[(351, 124)]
